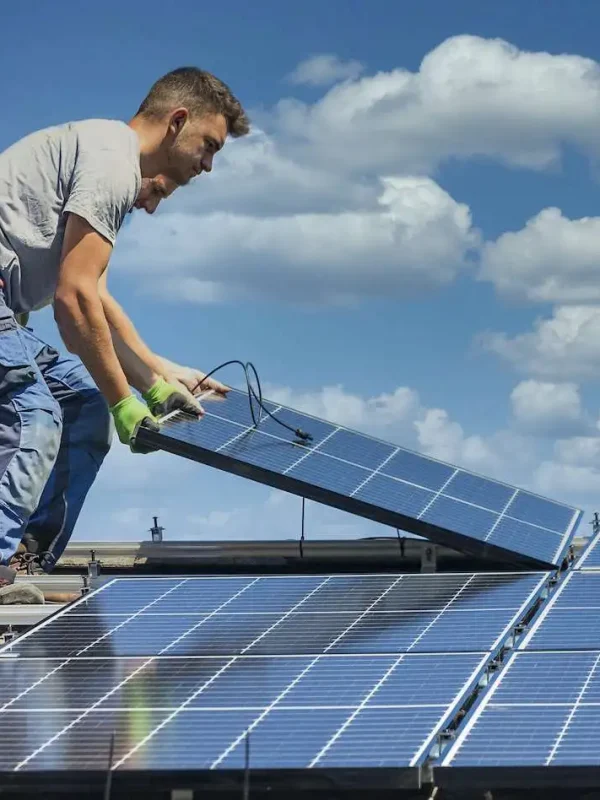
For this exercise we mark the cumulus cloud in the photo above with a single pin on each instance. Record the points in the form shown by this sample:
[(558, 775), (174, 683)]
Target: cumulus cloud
[(549, 409), (131, 472), (580, 483), (341, 188), (418, 237), (254, 175), (323, 69), (564, 346), (579, 451), (574, 469), (552, 260), (470, 97)]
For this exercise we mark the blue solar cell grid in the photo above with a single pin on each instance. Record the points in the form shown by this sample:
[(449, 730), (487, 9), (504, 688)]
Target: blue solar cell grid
[(570, 618), (544, 707), (542, 711), (322, 671), (374, 479)]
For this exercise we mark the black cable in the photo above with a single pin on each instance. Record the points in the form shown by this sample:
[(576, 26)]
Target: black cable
[(249, 365)]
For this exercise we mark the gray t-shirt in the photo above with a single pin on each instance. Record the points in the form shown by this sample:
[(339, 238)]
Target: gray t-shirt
[(91, 168)]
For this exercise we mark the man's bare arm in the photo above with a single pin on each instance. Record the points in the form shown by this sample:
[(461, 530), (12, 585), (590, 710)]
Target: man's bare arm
[(78, 309), (141, 366)]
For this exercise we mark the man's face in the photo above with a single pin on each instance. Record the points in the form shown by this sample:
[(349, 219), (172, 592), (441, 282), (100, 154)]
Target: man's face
[(193, 146), (153, 191)]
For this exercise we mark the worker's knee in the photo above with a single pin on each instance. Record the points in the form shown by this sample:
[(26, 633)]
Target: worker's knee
[(29, 444), (87, 421)]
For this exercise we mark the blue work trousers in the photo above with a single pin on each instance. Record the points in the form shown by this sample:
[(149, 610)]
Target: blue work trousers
[(55, 431)]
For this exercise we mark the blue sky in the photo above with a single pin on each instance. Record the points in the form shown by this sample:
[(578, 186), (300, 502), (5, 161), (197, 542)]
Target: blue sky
[(475, 137)]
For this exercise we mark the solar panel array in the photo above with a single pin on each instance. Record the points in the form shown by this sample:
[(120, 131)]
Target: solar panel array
[(333, 671), (544, 708), (373, 479), (323, 672)]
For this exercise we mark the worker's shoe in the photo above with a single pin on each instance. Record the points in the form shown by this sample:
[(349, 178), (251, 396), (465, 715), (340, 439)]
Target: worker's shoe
[(27, 561)]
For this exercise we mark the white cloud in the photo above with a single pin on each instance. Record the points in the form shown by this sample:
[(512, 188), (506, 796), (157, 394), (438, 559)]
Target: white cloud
[(470, 97), (417, 238), (130, 472), (552, 259), (572, 472), (579, 451), (564, 346), (253, 175), (549, 409), (323, 69), (580, 483), (339, 189)]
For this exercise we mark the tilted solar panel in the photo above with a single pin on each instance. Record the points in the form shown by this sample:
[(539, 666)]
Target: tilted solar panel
[(373, 479), (322, 671)]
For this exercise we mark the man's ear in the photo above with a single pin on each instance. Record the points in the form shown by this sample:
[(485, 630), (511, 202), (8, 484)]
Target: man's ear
[(177, 120)]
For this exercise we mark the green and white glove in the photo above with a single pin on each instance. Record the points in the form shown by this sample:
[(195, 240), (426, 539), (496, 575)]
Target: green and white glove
[(128, 415), (163, 397)]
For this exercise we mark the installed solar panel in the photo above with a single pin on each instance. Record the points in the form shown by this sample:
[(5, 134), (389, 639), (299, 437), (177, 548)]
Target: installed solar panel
[(543, 710), (570, 619), (356, 671), (300, 615), (373, 479), (590, 557)]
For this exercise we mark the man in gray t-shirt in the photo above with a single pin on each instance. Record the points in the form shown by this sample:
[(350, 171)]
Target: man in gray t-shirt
[(64, 193)]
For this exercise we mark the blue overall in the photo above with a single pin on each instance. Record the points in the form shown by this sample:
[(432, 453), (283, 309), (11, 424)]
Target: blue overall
[(55, 431)]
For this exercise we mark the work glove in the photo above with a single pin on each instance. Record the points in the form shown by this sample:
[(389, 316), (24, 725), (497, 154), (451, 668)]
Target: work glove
[(128, 415), (163, 397)]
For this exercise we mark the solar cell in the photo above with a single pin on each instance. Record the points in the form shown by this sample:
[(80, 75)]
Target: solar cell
[(570, 619), (317, 669), (543, 710), (373, 479)]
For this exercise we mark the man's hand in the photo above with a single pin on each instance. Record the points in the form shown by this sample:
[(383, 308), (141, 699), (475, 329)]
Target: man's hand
[(128, 415), (193, 380), (163, 397)]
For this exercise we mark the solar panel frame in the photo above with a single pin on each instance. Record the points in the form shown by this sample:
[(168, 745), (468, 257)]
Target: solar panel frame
[(321, 769), (426, 510)]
